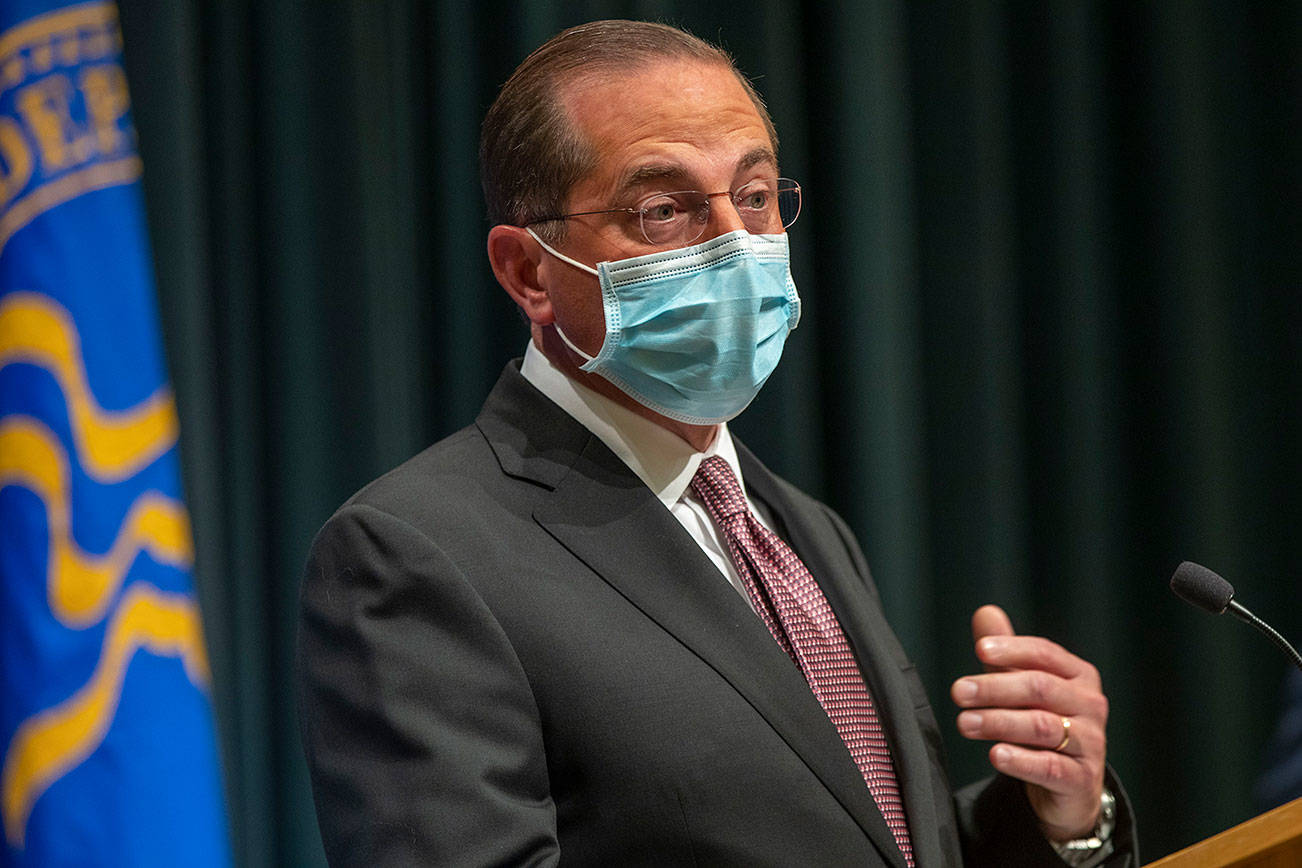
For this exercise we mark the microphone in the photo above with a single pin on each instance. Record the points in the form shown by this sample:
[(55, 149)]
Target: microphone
[(1203, 588)]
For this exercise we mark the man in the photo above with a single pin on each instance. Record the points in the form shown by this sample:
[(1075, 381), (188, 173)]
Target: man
[(594, 628)]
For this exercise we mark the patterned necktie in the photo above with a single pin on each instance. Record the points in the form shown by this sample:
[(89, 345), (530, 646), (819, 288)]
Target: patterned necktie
[(794, 609)]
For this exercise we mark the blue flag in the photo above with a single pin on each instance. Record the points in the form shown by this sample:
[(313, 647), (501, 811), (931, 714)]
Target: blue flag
[(106, 727)]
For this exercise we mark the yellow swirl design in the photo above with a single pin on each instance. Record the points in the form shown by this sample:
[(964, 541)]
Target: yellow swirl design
[(111, 446), (50, 744), (81, 586)]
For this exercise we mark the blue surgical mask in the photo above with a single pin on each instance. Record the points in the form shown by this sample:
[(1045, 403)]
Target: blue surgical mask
[(694, 333)]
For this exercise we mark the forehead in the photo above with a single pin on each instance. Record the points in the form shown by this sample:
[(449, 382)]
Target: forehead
[(675, 117)]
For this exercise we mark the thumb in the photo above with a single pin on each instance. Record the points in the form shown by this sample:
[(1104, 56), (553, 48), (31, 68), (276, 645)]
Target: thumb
[(990, 621)]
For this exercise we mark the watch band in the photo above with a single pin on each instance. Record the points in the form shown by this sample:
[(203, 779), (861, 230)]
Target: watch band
[(1090, 851)]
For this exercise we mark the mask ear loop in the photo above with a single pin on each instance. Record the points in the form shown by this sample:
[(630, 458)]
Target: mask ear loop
[(569, 343), (561, 256), (579, 265)]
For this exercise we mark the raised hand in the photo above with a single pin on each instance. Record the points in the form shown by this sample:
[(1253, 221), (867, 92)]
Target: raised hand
[(1045, 710)]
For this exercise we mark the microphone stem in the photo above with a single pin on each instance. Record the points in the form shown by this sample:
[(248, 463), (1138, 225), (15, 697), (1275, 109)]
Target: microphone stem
[(1241, 612)]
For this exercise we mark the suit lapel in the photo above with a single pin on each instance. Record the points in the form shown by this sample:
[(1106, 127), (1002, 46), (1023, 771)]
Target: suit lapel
[(607, 518), (871, 638)]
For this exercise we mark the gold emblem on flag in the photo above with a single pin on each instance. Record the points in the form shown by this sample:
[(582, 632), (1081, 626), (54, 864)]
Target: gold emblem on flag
[(70, 132)]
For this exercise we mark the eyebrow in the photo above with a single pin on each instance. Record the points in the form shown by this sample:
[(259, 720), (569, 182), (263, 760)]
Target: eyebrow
[(664, 172), (754, 157), (643, 175)]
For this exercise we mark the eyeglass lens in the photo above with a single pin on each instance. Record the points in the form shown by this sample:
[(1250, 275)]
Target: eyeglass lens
[(765, 207)]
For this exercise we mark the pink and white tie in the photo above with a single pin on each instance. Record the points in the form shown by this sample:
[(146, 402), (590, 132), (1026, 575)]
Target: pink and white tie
[(794, 609)]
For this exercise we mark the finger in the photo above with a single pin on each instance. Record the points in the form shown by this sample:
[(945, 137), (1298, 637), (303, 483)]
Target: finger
[(1054, 772), (989, 621), (1033, 728), (1034, 652), (1025, 689), (1063, 792)]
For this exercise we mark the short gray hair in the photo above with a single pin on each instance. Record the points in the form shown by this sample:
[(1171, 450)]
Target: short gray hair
[(530, 154)]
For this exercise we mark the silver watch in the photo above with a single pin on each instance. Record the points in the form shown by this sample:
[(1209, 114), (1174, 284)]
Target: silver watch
[(1084, 851)]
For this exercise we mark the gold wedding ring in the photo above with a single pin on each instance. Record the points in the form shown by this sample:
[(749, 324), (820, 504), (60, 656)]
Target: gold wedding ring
[(1066, 735)]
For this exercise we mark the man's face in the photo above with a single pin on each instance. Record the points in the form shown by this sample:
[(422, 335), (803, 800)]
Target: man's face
[(676, 125)]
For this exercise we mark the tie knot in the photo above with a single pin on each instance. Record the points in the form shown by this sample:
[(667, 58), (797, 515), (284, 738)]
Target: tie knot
[(716, 486)]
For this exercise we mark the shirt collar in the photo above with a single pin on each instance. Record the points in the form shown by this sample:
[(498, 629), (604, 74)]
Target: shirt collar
[(660, 458)]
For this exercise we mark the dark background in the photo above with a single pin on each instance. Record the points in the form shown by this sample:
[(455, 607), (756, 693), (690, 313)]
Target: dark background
[(1050, 265)]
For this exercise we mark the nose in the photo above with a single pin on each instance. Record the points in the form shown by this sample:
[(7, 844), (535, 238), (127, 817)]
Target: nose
[(723, 215)]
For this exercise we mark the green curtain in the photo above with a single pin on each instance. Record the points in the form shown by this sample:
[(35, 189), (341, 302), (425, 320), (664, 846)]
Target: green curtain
[(1050, 263)]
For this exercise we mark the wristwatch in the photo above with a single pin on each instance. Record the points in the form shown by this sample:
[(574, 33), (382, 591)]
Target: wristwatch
[(1087, 852)]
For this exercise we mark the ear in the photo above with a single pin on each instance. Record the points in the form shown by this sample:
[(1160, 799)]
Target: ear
[(515, 256)]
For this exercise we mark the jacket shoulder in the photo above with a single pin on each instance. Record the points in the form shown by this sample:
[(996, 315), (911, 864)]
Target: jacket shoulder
[(445, 484)]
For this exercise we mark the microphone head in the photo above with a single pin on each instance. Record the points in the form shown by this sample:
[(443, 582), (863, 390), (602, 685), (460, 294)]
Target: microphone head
[(1198, 585)]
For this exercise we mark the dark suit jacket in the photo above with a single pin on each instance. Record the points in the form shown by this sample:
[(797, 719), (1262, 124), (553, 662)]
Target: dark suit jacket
[(512, 654)]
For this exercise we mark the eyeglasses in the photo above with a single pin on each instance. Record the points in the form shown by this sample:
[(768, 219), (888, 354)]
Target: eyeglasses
[(678, 219)]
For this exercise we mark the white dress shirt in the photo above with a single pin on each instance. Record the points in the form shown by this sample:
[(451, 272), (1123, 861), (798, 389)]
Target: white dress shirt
[(660, 458)]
